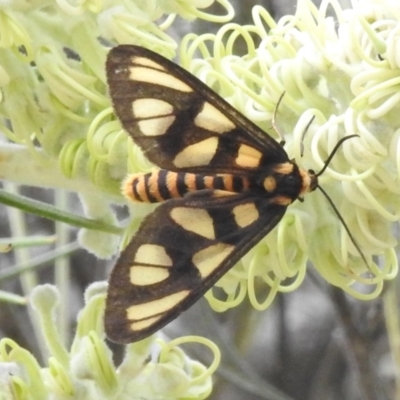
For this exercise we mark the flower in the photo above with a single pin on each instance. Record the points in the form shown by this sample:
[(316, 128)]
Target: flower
[(151, 369), (341, 69)]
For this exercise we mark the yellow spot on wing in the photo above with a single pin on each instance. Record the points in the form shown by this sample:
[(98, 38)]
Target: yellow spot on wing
[(151, 108), (198, 154), (145, 275), (208, 259), (248, 157), (153, 254), (284, 168), (281, 200), (212, 119), (155, 307), (146, 62), (140, 325), (222, 193), (156, 126), (161, 78), (194, 220), (245, 214)]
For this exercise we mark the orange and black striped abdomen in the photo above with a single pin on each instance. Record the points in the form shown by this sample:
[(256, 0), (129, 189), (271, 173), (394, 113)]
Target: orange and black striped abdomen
[(161, 185)]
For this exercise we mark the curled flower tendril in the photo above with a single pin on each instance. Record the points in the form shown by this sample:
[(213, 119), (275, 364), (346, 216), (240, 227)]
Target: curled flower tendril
[(346, 76), (338, 66)]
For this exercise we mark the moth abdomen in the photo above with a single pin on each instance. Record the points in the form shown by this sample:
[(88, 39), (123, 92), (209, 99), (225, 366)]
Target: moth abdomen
[(161, 185)]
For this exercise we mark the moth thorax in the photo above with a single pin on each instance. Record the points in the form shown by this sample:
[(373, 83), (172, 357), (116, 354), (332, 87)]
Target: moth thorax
[(289, 181)]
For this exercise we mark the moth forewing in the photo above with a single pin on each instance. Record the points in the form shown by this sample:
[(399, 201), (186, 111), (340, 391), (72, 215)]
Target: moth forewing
[(224, 182), (178, 128)]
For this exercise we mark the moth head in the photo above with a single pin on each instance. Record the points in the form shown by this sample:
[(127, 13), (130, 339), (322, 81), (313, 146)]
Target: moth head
[(309, 181)]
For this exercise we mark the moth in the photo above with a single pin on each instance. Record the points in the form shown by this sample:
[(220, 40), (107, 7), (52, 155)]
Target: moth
[(223, 184)]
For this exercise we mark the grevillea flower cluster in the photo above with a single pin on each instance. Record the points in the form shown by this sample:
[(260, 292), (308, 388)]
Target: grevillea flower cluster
[(341, 70), (149, 370)]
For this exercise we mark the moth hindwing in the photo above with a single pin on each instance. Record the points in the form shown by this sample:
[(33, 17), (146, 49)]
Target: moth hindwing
[(224, 184)]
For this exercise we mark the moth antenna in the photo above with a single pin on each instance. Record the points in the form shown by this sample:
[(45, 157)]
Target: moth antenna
[(304, 134), (353, 240), (333, 152), (282, 140)]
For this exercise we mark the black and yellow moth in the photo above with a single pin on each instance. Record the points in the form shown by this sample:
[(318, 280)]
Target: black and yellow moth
[(224, 184)]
